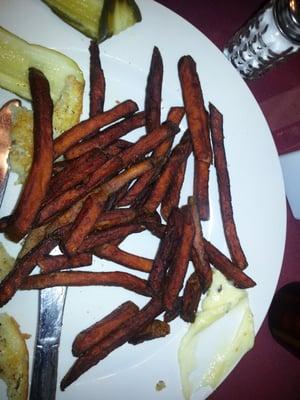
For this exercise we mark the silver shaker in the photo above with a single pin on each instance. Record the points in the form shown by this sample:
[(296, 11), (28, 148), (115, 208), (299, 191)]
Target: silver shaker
[(268, 38)]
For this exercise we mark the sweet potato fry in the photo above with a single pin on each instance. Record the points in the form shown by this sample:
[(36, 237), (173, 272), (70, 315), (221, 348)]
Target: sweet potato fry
[(82, 278), (165, 252), (172, 197), (80, 131), (153, 91), (103, 328), (23, 267), (36, 184), (122, 160), (198, 126), (191, 298), (56, 263), (177, 271), (233, 242), (84, 223), (170, 315), (104, 138), (107, 236), (161, 151), (198, 254), (179, 153), (75, 172), (228, 269), (97, 80), (103, 348), (156, 329), (115, 217), (113, 253)]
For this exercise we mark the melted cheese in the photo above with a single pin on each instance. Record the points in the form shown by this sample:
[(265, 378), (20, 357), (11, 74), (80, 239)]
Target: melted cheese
[(222, 298)]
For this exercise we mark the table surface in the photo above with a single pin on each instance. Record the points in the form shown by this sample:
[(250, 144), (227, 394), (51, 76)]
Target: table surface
[(268, 371)]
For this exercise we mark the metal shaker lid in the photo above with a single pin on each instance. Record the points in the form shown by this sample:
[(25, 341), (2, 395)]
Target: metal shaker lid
[(287, 17)]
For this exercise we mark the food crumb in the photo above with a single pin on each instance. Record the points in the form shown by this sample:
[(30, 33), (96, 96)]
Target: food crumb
[(160, 386)]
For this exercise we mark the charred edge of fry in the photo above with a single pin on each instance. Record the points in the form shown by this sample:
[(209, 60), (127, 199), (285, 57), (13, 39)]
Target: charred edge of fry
[(36, 184), (191, 298), (101, 350), (82, 278), (165, 252), (156, 329), (97, 80), (177, 271), (201, 189), (113, 253), (233, 242), (50, 263), (229, 270), (170, 315), (153, 91), (198, 254), (103, 328)]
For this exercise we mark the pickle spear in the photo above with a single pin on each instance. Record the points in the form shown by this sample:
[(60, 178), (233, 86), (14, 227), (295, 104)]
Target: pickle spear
[(97, 19)]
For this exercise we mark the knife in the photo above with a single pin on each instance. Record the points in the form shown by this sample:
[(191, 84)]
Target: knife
[(44, 374), (51, 301)]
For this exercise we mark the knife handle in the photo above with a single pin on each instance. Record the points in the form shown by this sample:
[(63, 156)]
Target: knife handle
[(44, 378)]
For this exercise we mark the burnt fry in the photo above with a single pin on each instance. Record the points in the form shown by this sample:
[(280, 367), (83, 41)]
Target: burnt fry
[(103, 348), (179, 153), (113, 253), (108, 136), (198, 126), (156, 329), (191, 298), (97, 80), (84, 223), (177, 271), (154, 91), (233, 242), (40, 172), (80, 131), (103, 328), (50, 263), (198, 255), (228, 269), (82, 278), (170, 315)]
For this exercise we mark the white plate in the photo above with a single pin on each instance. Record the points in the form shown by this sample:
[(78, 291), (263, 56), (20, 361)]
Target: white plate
[(256, 181)]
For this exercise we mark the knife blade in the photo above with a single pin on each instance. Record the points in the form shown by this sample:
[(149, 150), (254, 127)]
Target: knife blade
[(44, 373)]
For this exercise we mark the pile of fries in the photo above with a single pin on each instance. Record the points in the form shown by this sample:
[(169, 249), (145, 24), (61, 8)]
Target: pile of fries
[(89, 189)]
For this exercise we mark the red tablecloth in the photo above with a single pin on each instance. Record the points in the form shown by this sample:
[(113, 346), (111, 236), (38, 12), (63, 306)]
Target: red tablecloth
[(268, 371)]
